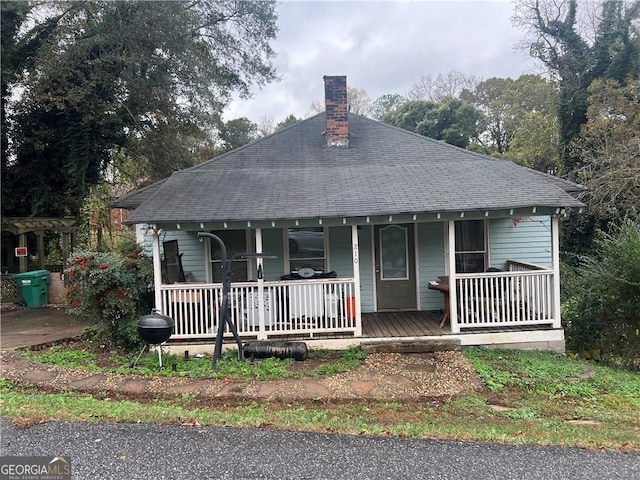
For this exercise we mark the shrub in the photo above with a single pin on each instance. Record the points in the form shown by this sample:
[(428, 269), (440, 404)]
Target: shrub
[(602, 307), (111, 289)]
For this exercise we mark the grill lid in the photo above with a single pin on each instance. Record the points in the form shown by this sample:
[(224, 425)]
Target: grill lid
[(155, 328)]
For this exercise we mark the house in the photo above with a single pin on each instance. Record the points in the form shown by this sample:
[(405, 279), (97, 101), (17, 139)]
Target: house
[(370, 225)]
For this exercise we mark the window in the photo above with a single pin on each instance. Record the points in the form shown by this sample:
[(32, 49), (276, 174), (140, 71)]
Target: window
[(470, 246), (306, 248), (236, 242)]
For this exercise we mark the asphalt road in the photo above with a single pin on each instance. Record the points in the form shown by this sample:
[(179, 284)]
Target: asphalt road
[(126, 451)]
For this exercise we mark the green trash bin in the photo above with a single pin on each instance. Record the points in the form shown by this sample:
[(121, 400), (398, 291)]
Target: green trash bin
[(34, 287)]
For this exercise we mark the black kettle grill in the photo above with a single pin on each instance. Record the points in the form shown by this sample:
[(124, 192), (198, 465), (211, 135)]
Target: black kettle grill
[(154, 329)]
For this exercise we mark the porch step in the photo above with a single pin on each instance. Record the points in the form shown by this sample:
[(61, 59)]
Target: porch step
[(415, 346)]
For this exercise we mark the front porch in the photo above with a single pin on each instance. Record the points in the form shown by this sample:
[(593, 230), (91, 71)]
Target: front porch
[(415, 326), (491, 308)]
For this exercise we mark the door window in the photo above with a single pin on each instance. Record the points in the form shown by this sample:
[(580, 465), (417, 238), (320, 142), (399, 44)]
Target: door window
[(393, 251)]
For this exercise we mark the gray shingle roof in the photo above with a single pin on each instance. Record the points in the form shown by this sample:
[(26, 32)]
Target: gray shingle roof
[(292, 174), (136, 198)]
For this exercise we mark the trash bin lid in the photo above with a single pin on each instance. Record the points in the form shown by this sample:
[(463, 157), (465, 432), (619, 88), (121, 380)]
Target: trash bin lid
[(32, 274)]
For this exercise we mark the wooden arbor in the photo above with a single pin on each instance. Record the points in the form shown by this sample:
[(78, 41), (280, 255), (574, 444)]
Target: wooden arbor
[(21, 226)]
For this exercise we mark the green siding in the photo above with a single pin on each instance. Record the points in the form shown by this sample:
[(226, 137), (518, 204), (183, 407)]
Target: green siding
[(430, 263), (340, 258), (193, 254), (365, 239), (273, 243), (528, 239)]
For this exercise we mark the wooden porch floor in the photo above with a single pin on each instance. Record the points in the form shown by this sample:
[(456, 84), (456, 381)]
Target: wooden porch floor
[(403, 324)]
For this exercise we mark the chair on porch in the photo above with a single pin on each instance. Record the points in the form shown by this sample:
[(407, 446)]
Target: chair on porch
[(172, 264)]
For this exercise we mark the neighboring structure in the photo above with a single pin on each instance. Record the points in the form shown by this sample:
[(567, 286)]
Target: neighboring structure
[(364, 219)]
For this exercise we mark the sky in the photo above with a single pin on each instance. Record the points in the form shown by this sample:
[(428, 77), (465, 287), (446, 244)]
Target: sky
[(382, 47)]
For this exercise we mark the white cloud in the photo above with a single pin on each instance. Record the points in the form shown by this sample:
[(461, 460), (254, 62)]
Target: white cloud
[(382, 47)]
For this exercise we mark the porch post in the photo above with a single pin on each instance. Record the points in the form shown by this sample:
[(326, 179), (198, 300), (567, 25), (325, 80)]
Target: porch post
[(157, 270), (355, 248), (22, 261), (40, 243), (453, 291), (555, 252), (262, 332)]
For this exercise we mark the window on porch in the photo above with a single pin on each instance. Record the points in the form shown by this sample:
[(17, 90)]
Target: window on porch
[(236, 242), (471, 246), (306, 248)]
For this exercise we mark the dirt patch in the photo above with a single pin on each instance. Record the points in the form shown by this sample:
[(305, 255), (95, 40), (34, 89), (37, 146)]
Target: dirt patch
[(404, 378)]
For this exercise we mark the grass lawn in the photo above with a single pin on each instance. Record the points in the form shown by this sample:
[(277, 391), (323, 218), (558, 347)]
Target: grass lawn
[(529, 397)]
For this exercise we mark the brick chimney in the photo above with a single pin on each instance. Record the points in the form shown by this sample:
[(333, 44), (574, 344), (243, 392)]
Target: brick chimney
[(337, 110)]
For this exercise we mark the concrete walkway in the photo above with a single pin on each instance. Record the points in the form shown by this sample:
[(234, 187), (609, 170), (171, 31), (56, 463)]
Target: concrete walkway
[(384, 376), (27, 327)]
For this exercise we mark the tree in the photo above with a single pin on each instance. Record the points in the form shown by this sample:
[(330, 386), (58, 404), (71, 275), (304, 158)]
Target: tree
[(536, 142), (521, 116), (568, 53), (385, 104), (443, 85), (452, 120), (609, 146), (359, 102), (410, 114), (287, 122), (265, 126), (147, 78), (602, 306), (237, 132)]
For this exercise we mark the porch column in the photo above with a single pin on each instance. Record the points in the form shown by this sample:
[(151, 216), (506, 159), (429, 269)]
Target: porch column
[(66, 251), (157, 270), (22, 261), (262, 332), (555, 252), (453, 291), (355, 248), (40, 243)]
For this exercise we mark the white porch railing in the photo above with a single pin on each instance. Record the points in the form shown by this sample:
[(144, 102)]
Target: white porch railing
[(520, 297), (308, 307)]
